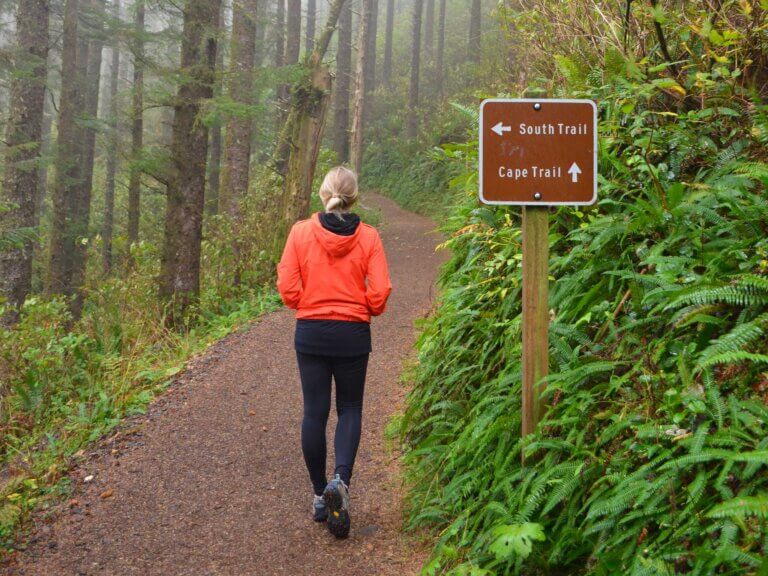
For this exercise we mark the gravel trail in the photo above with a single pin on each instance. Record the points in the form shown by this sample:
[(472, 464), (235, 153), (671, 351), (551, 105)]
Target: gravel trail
[(211, 480)]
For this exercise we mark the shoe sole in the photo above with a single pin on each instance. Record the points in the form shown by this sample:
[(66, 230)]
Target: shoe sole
[(338, 517)]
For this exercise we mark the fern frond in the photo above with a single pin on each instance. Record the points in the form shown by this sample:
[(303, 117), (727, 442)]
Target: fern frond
[(734, 357), (741, 507)]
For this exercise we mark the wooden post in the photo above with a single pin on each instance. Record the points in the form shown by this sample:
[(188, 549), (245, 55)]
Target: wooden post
[(535, 312)]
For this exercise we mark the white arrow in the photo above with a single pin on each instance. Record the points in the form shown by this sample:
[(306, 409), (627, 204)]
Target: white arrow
[(574, 171), (500, 128)]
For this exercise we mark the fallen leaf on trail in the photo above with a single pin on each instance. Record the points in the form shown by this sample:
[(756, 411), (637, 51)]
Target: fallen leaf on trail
[(107, 494), (74, 502), (252, 413), (88, 478), (264, 428)]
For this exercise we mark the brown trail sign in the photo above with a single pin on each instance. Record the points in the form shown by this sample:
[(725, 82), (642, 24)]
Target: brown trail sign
[(538, 152), (535, 154)]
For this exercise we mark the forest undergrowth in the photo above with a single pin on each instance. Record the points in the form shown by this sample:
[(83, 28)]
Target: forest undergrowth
[(653, 455)]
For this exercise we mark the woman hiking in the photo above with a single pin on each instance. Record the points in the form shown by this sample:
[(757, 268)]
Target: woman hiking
[(333, 272)]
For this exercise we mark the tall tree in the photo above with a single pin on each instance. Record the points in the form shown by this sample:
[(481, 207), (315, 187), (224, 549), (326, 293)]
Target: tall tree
[(237, 147), (475, 21), (413, 100), (440, 63), (214, 163), (280, 33), (45, 153), (306, 120), (24, 140), (82, 207), (292, 50), (429, 29), (311, 19), (356, 132), (343, 81), (261, 33), (68, 158), (293, 32), (388, 34), (114, 138), (370, 60), (137, 122), (180, 269)]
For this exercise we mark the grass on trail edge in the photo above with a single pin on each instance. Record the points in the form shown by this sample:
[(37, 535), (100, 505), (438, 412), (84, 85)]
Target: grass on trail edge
[(35, 475)]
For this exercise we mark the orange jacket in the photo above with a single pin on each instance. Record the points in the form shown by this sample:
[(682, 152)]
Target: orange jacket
[(326, 275)]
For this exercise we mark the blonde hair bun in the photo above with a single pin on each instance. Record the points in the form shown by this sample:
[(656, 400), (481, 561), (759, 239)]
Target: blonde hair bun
[(339, 189)]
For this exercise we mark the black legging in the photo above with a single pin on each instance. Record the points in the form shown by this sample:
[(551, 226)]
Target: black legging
[(316, 373)]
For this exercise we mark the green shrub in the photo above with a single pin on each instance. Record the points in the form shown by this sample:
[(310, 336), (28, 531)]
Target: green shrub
[(653, 456)]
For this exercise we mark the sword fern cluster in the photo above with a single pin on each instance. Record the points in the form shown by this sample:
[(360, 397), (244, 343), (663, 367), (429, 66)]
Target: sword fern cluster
[(653, 456)]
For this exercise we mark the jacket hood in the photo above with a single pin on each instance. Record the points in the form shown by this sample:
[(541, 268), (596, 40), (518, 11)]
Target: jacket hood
[(335, 244)]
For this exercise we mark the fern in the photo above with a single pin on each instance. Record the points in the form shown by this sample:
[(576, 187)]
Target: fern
[(741, 507)]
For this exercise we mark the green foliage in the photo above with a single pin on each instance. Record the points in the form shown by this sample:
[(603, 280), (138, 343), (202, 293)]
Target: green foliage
[(65, 386), (652, 456), (515, 540)]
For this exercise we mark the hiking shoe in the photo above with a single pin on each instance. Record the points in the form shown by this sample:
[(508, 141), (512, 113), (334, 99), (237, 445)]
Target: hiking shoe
[(319, 509), (336, 496)]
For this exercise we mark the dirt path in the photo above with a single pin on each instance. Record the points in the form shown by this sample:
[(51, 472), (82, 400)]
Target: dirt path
[(212, 481)]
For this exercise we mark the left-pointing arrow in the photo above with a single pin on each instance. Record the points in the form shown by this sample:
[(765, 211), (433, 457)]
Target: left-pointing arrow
[(500, 128)]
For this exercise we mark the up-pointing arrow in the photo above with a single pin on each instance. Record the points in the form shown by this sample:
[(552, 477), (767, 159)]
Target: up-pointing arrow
[(574, 171), (500, 128)]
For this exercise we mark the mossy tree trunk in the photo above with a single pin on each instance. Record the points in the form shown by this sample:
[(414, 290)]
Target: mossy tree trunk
[(304, 128)]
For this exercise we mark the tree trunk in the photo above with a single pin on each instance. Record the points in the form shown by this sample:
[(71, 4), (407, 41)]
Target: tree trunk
[(429, 30), (292, 49), (82, 212), (261, 34), (440, 63), (68, 158), (390, 27), (343, 76), (370, 61), (137, 124), (45, 155), (306, 138), (212, 196), (356, 133), (239, 128), (475, 30), (114, 137), (306, 122), (413, 100), (180, 269), (24, 140), (280, 34), (293, 32), (237, 162), (311, 19)]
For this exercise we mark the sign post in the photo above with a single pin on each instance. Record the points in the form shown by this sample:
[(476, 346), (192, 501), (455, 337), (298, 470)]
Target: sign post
[(537, 153)]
